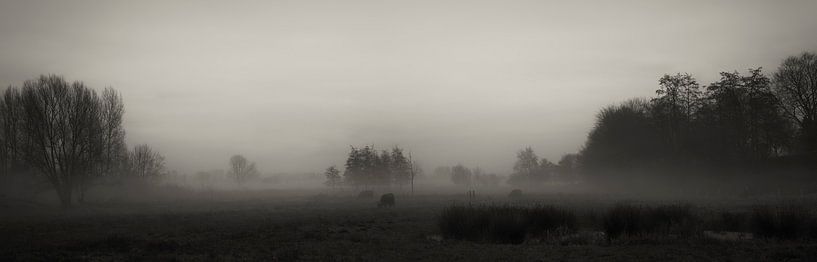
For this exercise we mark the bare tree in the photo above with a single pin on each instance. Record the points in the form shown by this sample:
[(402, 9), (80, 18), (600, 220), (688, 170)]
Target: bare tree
[(8, 130), (241, 169), (333, 178), (675, 106), (109, 146), (146, 165), (527, 167), (56, 126), (795, 84)]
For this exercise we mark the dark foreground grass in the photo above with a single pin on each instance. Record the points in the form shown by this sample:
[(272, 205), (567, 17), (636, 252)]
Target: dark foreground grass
[(632, 220), (505, 224), (515, 224), (783, 222), (268, 226)]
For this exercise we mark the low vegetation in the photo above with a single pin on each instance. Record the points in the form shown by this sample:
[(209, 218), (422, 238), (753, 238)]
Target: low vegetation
[(786, 222), (629, 220), (516, 224), (505, 224)]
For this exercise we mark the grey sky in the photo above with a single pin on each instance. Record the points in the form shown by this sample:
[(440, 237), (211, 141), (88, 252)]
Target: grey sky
[(291, 84)]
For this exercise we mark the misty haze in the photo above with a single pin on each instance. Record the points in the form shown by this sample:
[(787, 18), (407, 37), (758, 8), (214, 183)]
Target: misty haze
[(408, 130)]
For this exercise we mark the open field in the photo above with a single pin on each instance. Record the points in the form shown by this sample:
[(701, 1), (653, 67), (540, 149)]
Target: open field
[(177, 224)]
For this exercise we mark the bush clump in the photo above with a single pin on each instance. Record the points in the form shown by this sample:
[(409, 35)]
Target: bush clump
[(505, 224), (729, 221), (789, 222), (639, 220)]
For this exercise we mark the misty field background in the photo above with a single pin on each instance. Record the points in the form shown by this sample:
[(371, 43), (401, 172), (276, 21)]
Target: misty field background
[(408, 130), (172, 223)]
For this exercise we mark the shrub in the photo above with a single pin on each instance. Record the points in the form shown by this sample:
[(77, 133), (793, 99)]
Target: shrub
[(783, 222), (504, 224), (637, 220), (622, 219), (729, 221), (674, 219), (548, 218)]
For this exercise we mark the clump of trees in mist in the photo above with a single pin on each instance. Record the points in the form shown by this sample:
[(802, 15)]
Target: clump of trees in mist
[(366, 167), (529, 169), (69, 135), (333, 177), (467, 177), (242, 170), (735, 125)]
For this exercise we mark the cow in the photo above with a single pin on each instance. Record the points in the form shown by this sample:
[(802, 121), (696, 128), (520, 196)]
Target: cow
[(386, 200)]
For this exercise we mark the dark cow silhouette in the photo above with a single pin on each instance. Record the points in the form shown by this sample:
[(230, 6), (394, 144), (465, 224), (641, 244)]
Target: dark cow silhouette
[(366, 194), (386, 200), (515, 193)]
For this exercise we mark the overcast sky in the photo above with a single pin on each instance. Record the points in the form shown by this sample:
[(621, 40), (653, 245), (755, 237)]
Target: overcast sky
[(291, 84)]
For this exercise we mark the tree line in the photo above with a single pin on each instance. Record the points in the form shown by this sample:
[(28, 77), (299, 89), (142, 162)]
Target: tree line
[(734, 125), (366, 167), (70, 135)]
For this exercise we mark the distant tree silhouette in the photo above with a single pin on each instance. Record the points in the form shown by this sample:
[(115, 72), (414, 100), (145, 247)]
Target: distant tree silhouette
[(568, 167), (146, 165), (400, 166), (674, 109), (241, 170), (529, 169), (360, 166), (485, 180), (382, 168), (110, 147), (742, 120), (624, 137), (366, 167), (526, 167), (461, 175), (9, 131), (795, 84), (333, 178)]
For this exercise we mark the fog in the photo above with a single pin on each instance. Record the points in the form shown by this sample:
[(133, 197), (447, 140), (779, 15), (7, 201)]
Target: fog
[(292, 84), (447, 130)]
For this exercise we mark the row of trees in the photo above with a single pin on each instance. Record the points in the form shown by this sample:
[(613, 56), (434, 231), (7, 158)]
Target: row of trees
[(738, 121), (70, 135), (529, 169), (367, 167), (470, 177), (241, 169)]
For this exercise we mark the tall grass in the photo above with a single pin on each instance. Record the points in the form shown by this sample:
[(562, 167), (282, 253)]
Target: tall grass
[(640, 220), (504, 224), (515, 224), (785, 222)]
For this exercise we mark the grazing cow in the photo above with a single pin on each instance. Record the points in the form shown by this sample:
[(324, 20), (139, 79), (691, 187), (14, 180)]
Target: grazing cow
[(386, 200), (515, 193), (366, 194)]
